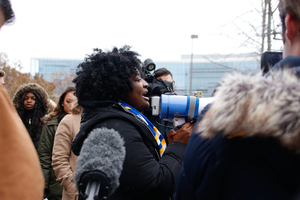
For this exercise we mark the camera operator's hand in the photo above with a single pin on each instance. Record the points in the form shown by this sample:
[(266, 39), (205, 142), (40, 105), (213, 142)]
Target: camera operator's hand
[(181, 135)]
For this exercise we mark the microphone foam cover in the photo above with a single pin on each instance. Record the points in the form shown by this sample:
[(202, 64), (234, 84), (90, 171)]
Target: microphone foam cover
[(103, 150)]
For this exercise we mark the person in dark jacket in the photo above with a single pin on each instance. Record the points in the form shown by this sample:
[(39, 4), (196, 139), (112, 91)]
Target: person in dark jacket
[(164, 125), (290, 19), (53, 190), (2, 76), (247, 145), (112, 93), (31, 102)]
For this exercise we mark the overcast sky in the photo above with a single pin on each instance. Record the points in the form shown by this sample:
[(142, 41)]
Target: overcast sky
[(157, 29)]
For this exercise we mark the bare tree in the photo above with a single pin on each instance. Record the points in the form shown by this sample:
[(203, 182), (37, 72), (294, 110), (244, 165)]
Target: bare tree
[(14, 77), (48, 86), (62, 81), (256, 35), (269, 29)]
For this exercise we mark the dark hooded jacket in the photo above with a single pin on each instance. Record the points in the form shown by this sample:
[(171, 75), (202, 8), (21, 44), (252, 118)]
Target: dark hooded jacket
[(43, 98), (247, 145), (145, 174), (289, 62)]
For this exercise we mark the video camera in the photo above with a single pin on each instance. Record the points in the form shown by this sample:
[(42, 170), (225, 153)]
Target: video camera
[(168, 106), (268, 60), (147, 68), (156, 87)]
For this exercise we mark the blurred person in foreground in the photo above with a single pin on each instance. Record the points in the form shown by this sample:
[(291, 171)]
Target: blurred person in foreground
[(63, 159), (53, 190), (290, 19), (20, 170), (112, 93), (32, 103), (2, 75), (247, 145)]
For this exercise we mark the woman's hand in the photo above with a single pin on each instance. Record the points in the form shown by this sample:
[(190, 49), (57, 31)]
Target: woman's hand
[(181, 135)]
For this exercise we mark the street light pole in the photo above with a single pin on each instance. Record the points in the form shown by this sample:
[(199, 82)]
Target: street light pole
[(191, 70)]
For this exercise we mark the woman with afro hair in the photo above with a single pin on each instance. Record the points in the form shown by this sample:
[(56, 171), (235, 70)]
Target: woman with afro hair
[(32, 104), (112, 93)]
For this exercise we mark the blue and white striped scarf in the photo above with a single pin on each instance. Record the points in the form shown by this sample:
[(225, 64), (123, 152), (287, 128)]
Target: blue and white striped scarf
[(157, 135)]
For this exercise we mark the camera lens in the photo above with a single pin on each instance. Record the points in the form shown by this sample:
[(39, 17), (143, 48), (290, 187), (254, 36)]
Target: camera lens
[(150, 67)]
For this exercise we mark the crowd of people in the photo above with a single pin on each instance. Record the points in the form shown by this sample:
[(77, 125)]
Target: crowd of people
[(244, 145)]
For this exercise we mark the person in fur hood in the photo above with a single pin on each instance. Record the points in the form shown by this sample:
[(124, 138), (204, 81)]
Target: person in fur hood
[(247, 145), (31, 102)]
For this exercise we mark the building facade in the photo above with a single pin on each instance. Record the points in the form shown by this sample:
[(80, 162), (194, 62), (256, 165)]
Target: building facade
[(207, 71), (49, 66), (203, 74)]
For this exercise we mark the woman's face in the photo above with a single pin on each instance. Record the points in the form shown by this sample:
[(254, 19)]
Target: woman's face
[(68, 102), (137, 98), (29, 101)]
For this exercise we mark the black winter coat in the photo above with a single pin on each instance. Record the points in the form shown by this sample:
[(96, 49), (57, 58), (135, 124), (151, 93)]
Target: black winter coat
[(290, 62), (247, 145), (238, 168), (145, 175)]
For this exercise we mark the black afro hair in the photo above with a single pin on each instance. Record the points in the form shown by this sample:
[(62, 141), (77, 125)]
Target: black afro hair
[(105, 75)]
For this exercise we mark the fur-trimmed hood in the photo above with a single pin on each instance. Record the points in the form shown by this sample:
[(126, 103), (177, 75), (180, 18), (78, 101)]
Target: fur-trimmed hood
[(33, 87), (256, 106)]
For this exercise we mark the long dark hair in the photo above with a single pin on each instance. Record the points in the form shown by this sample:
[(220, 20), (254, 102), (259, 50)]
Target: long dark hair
[(32, 118), (59, 111)]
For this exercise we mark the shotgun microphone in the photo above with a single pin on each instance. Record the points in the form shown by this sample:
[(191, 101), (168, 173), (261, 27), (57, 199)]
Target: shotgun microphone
[(99, 164)]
